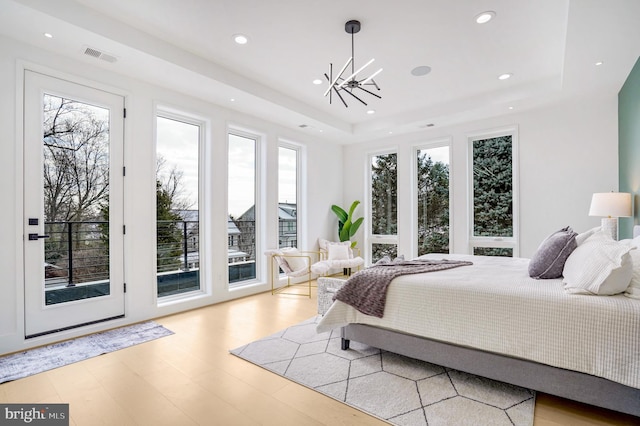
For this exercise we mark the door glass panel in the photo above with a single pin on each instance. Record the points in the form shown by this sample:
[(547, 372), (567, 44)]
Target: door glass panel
[(76, 200)]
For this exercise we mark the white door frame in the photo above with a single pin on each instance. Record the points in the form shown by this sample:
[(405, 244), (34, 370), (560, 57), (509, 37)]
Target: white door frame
[(39, 318)]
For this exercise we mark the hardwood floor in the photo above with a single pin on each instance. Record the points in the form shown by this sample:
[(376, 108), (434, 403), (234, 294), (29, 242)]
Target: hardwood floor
[(190, 378)]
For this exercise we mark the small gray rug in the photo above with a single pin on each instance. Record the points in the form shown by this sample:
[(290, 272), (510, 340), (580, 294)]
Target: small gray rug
[(33, 361), (394, 388)]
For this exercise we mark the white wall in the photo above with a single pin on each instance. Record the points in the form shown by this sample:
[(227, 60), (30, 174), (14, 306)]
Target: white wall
[(567, 152), (321, 187)]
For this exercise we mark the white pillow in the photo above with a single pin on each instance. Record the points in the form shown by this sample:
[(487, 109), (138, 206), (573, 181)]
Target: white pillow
[(338, 252), (324, 245), (633, 290), (599, 266), (295, 259), (581, 238)]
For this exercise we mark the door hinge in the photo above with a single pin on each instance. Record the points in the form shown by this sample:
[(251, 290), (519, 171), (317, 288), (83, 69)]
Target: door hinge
[(124, 229), (124, 171), (124, 113), (125, 287)]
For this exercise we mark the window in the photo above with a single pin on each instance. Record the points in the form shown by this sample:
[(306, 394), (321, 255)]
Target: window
[(384, 206), (432, 184), (494, 215), (287, 196), (242, 214), (177, 204)]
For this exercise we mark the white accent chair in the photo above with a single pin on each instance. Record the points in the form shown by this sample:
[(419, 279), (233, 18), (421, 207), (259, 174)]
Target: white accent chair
[(336, 256), (295, 264)]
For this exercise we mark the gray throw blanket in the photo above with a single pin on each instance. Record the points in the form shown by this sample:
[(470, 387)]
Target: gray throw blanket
[(367, 290)]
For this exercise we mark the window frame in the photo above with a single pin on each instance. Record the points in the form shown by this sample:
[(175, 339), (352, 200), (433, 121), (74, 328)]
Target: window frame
[(435, 143), (512, 242), (298, 150), (259, 203), (370, 237), (203, 125)]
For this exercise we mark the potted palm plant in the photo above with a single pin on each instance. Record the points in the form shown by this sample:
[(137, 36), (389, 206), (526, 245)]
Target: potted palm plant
[(347, 225)]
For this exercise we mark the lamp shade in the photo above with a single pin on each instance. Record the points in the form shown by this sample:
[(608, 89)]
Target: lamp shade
[(610, 204)]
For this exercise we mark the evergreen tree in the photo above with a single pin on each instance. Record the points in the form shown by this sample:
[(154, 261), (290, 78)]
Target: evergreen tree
[(433, 205), (384, 205), (169, 234), (493, 187), (384, 195)]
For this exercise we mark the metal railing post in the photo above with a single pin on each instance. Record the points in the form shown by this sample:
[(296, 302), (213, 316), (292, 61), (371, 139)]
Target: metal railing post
[(70, 254), (184, 245)]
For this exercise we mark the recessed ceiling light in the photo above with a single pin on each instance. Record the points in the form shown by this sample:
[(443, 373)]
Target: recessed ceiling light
[(599, 63), (317, 81), (505, 76), (485, 17), (48, 35), (421, 70), (240, 39), (371, 111), (510, 107), (232, 100)]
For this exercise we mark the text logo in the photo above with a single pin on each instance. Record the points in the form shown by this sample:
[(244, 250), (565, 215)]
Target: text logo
[(34, 414)]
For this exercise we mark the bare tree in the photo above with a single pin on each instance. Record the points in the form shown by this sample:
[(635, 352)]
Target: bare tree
[(76, 187), (172, 184), (76, 159)]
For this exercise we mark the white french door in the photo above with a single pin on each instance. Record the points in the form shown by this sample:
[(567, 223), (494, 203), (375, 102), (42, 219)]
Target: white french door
[(73, 205)]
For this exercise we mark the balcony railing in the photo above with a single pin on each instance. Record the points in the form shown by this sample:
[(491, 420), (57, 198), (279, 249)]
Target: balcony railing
[(178, 245), (76, 253)]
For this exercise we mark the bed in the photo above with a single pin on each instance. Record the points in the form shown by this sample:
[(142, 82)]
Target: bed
[(524, 331)]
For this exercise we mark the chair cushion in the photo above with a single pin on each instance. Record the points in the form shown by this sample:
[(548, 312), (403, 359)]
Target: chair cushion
[(295, 260), (338, 252), (325, 266), (326, 244)]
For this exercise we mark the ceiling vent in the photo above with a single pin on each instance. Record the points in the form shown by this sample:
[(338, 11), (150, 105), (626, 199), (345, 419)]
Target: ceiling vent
[(95, 53)]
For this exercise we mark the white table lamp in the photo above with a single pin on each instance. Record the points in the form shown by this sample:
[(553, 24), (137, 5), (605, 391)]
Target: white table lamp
[(610, 206)]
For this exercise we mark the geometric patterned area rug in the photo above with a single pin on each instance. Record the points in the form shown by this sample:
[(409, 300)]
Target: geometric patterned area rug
[(391, 387), (22, 364)]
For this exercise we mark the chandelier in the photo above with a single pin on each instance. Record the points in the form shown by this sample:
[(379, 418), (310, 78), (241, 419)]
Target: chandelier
[(351, 84)]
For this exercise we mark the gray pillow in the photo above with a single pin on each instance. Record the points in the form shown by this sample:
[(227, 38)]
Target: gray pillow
[(548, 261)]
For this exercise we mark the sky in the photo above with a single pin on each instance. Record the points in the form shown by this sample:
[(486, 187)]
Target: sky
[(177, 143)]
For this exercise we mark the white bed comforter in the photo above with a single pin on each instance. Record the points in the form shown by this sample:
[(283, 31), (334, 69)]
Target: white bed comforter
[(495, 306)]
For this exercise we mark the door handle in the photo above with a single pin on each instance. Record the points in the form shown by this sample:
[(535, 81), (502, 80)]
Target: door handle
[(34, 237)]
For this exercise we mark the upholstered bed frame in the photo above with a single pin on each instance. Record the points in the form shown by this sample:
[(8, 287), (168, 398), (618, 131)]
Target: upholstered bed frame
[(544, 378), (540, 377)]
